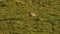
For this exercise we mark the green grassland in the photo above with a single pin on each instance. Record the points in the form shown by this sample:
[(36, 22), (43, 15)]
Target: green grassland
[(14, 18)]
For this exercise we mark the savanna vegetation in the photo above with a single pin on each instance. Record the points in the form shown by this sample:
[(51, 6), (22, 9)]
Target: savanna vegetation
[(14, 18)]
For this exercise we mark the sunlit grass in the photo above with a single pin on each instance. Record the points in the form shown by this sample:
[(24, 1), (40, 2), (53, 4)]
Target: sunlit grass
[(14, 18)]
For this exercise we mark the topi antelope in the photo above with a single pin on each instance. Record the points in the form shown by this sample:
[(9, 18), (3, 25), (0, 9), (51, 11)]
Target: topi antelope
[(32, 14)]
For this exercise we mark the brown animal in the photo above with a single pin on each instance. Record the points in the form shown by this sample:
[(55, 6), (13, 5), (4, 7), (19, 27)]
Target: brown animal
[(32, 14)]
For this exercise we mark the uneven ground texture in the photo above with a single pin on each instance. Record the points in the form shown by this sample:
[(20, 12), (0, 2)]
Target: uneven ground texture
[(14, 18)]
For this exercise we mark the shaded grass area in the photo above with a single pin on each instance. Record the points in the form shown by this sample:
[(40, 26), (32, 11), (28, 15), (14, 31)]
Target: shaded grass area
[(14, 18)]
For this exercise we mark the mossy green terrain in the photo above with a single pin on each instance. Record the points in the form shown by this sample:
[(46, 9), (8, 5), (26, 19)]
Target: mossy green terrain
[(14, 18)]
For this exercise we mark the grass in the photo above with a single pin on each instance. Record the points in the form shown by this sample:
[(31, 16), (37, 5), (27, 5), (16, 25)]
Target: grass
[(14, 18)]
